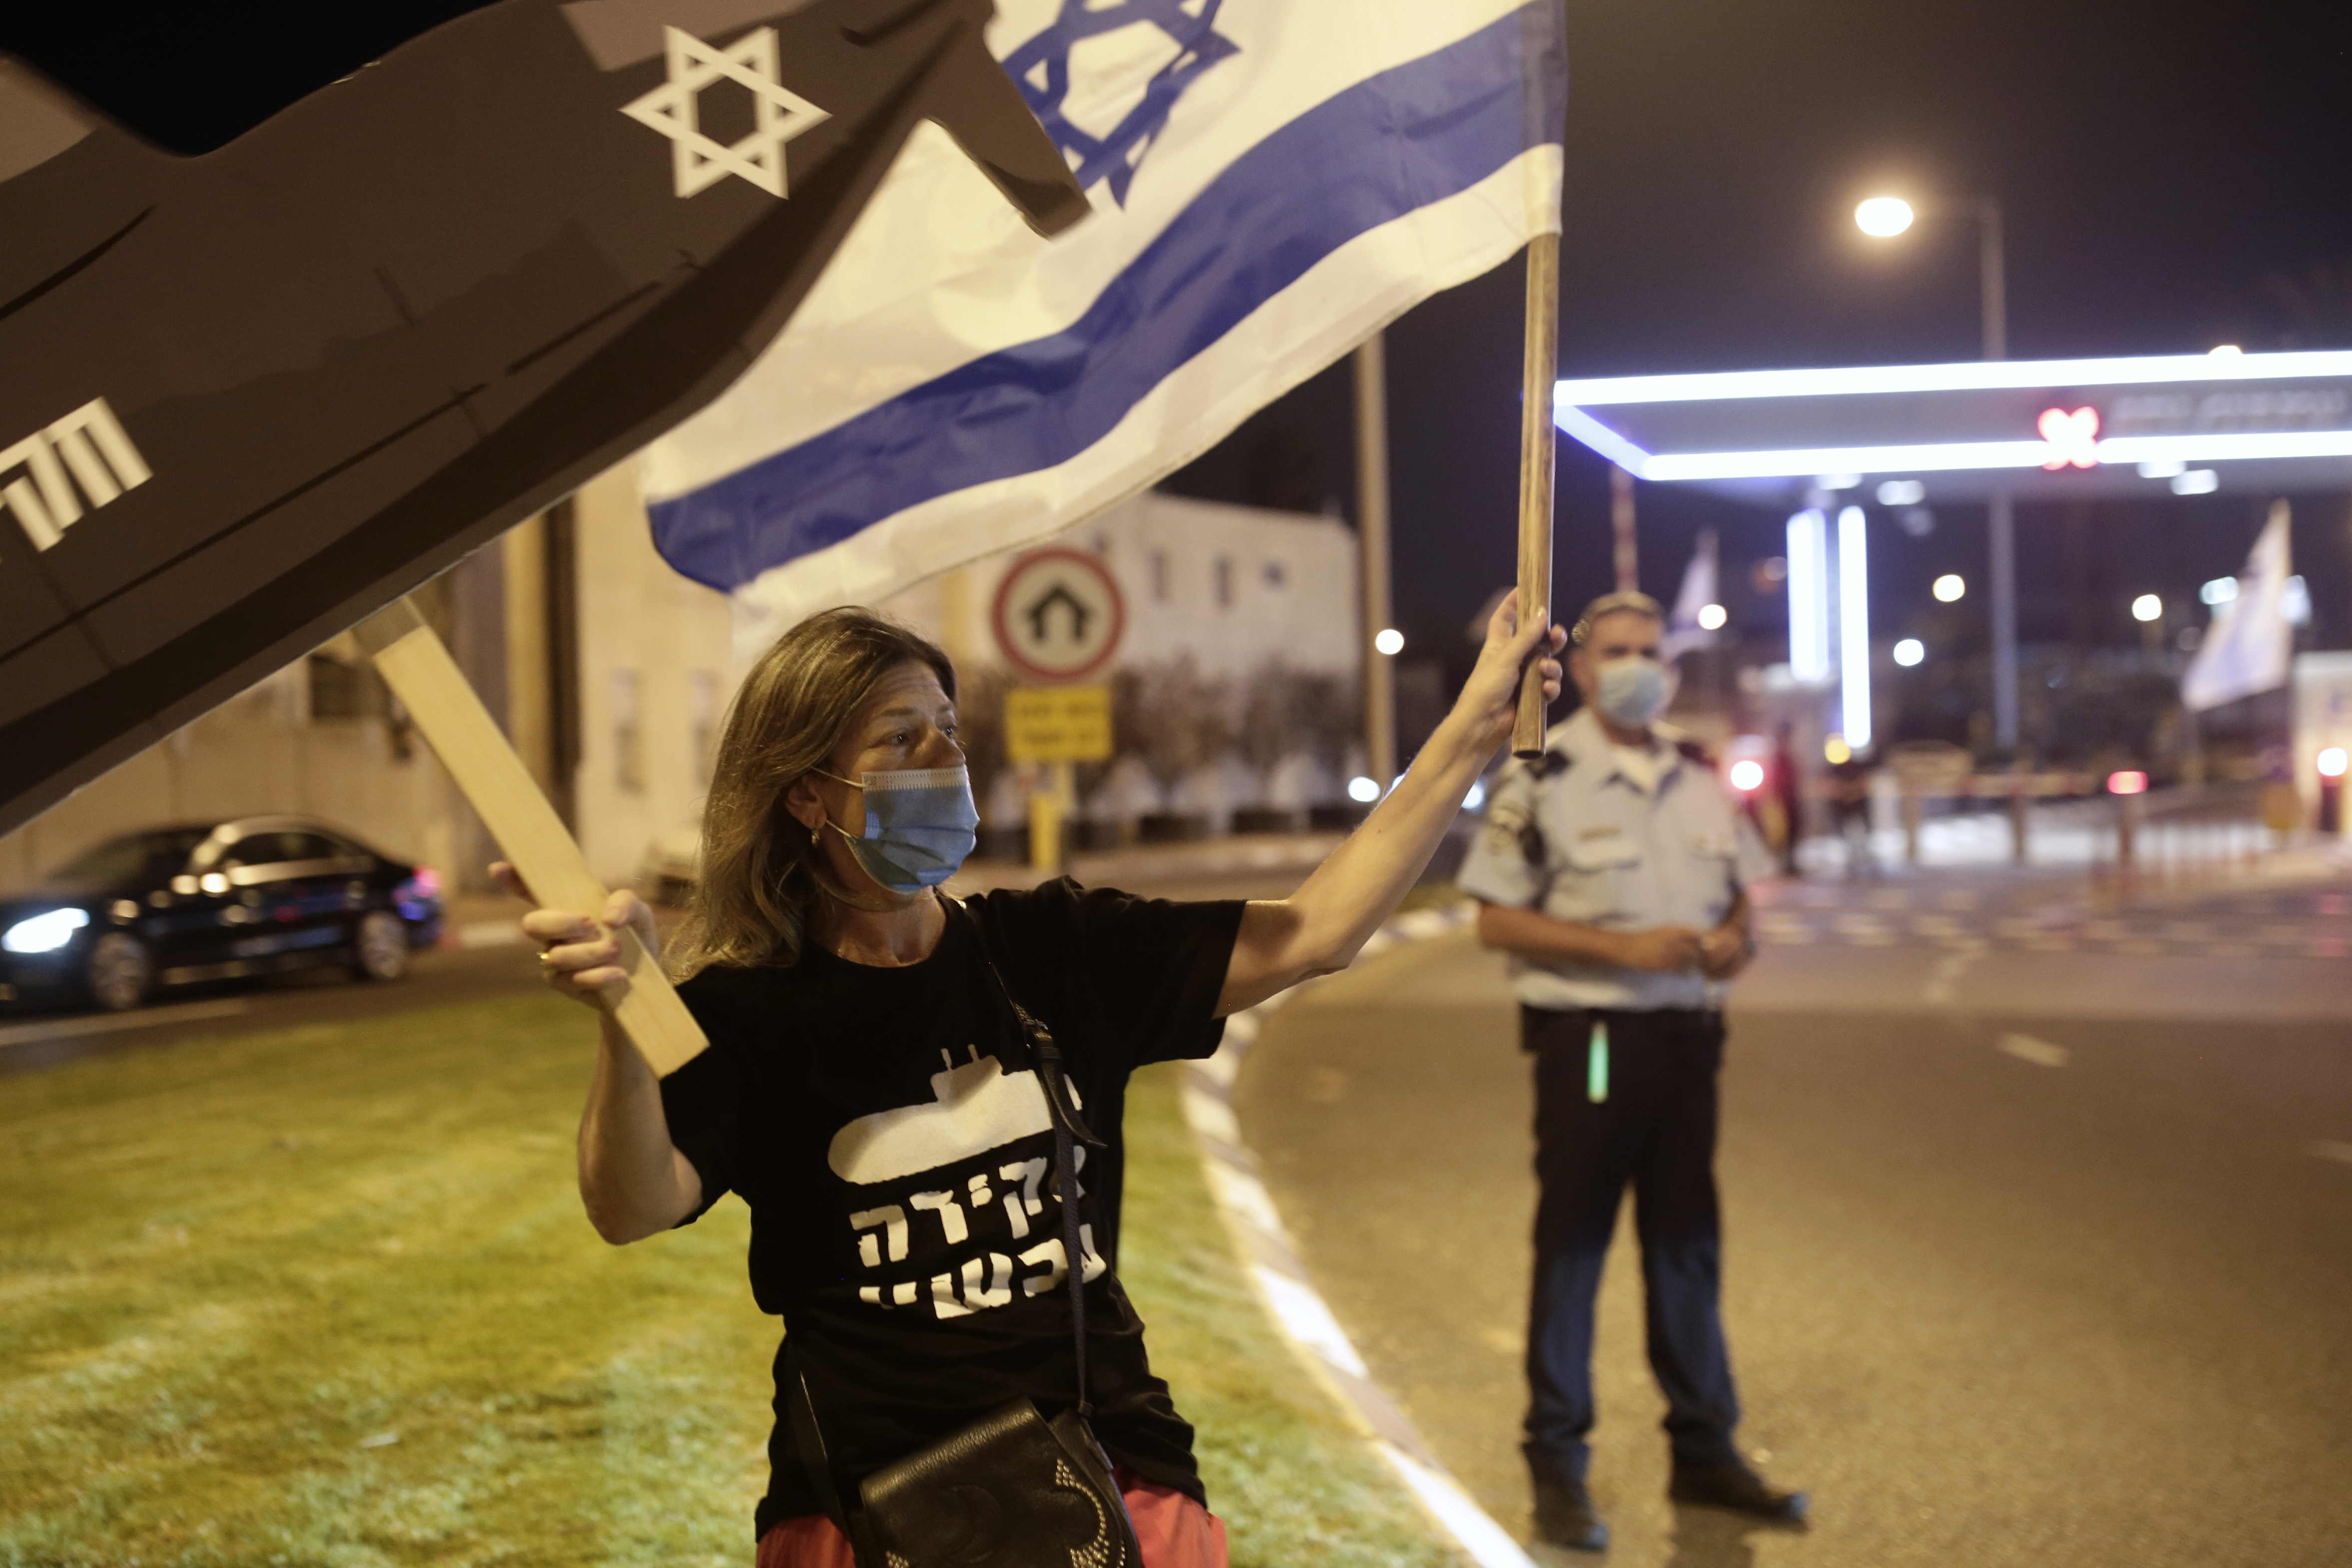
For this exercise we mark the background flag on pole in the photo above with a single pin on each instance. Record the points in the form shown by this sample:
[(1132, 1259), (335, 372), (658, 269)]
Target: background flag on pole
[(2251, 644), (1698, 591), (1272, 181)]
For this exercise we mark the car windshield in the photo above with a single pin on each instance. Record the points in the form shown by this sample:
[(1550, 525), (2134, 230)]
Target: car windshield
[(132, 859)]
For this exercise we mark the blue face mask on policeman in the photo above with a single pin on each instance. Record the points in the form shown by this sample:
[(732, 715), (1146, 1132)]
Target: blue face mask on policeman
[(920, 825), (1632, 690)]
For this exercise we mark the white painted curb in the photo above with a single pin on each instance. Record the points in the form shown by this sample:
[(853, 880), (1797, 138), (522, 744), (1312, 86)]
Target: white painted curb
[(1290, 1297)]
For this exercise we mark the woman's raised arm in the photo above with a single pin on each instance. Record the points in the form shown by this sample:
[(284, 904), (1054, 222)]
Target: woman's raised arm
[(1319, 928), (633, 1181)]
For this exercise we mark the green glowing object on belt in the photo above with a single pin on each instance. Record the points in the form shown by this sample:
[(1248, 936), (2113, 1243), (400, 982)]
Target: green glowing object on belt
[(1596, 1064)]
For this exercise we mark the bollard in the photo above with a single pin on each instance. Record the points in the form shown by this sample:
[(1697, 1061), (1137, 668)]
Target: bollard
[(2019, 804), (1050, 806), (1911, 821), (2127, 816)]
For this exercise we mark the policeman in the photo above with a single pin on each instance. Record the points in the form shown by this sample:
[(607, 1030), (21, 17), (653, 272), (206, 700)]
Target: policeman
[(1614, 870)]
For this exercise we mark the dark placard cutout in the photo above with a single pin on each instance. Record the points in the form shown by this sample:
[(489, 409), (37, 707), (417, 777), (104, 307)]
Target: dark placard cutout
[(256, 394)]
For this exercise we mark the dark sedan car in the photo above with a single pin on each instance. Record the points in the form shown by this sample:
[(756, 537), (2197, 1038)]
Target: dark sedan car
[(174, 905)]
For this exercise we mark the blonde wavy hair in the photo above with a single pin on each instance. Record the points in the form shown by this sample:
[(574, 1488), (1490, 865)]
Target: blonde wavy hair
[(758, 886)]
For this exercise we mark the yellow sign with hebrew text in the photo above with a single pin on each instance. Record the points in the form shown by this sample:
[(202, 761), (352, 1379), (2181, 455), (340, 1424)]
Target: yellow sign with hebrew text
[(1057, 723)]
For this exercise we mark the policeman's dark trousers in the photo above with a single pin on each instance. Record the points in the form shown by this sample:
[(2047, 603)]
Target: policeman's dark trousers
[(1657, 1131)]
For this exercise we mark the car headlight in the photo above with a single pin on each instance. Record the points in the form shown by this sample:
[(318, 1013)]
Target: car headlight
[(45, 934)]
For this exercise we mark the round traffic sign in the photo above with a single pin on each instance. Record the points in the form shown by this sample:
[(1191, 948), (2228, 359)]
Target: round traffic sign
[(1058, 614)]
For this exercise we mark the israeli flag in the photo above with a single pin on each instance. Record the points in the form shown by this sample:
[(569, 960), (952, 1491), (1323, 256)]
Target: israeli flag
[(2250, 647), (1273, 181)]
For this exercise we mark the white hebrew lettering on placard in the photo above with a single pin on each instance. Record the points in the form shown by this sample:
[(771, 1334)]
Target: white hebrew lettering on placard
[(91, 443)]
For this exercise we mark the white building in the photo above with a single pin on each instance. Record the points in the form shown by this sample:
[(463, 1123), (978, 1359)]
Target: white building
[(1227, 606), (1232, 588)]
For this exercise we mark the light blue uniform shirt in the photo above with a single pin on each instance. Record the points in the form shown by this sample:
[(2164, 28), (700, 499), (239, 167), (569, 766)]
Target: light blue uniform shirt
[(1572, 833)]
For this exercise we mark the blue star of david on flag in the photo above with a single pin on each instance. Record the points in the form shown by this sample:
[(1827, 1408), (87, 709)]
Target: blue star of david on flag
[(1116, 156)]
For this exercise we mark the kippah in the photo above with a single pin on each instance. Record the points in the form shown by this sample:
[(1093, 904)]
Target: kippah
[(1621, 602)]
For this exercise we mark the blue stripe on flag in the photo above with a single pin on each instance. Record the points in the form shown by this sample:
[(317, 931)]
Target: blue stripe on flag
[(1438, 125)]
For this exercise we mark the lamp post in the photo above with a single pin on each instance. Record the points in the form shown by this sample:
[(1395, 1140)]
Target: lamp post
[(1884, 217)]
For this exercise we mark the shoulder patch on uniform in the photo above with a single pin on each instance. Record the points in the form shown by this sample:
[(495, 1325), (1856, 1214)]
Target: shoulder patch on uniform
[(1549, 764), (1696, 752)]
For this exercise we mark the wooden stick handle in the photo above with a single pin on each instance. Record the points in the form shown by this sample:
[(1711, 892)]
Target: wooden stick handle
[(470, 744), (1537, 452)]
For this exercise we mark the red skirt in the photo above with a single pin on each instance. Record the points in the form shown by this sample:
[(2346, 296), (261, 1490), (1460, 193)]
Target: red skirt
[(1173, 1530)]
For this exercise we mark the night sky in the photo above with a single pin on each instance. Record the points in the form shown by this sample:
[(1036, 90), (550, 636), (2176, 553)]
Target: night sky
[(2156, 166)]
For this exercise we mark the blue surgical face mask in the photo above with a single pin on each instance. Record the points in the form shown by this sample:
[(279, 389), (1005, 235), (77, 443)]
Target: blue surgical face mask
[(1632, 690), (920, 825)]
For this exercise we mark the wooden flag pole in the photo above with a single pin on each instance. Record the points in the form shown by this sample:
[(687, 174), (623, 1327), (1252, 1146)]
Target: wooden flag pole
[(1537, 451), (470, 744)]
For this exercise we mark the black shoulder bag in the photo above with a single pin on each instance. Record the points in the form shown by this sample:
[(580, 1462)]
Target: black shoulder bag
[(1012, 1489)]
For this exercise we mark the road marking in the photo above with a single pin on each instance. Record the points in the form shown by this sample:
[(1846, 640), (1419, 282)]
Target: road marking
[(1488, 1544), (109, 1023), (1939, 992), (1299, 1312), (2041, 1053), (2332, 1149), (1212, 1116), (1309, 1321)]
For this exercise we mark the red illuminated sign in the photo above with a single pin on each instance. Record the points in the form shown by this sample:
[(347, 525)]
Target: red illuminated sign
[(2074, 437)]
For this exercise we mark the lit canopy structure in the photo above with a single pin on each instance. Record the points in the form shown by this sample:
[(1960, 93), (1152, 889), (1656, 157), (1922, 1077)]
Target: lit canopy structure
[(2032, 429)]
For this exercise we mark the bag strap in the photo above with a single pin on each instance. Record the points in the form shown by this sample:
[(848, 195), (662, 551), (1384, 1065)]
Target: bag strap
[(808, 1441), (1070, 1131)]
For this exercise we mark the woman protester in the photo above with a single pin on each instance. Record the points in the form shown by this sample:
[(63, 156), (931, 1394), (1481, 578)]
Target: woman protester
[(891, 1071)]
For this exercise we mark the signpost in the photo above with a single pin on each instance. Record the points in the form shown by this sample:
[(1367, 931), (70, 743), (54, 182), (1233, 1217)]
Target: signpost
[(1058, 619)]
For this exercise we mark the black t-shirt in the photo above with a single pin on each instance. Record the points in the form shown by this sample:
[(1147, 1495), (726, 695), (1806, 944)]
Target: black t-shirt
[(886, 1128)]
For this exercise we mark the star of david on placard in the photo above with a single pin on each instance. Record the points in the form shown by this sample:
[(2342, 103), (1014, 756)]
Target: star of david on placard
[(1041, 68), (779, 114)]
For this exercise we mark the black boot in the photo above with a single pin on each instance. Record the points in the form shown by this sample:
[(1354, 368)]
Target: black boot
[(1732, 1485), (1564, 1515)]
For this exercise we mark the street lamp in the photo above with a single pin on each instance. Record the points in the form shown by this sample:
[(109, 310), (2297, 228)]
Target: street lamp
[(1884, 217)]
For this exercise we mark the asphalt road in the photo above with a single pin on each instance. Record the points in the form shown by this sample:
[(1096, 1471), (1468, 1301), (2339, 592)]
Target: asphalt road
[(2032, 1257)]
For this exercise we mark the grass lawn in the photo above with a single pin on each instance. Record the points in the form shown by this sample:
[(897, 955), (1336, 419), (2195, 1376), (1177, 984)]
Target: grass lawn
[(326, 1296)]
